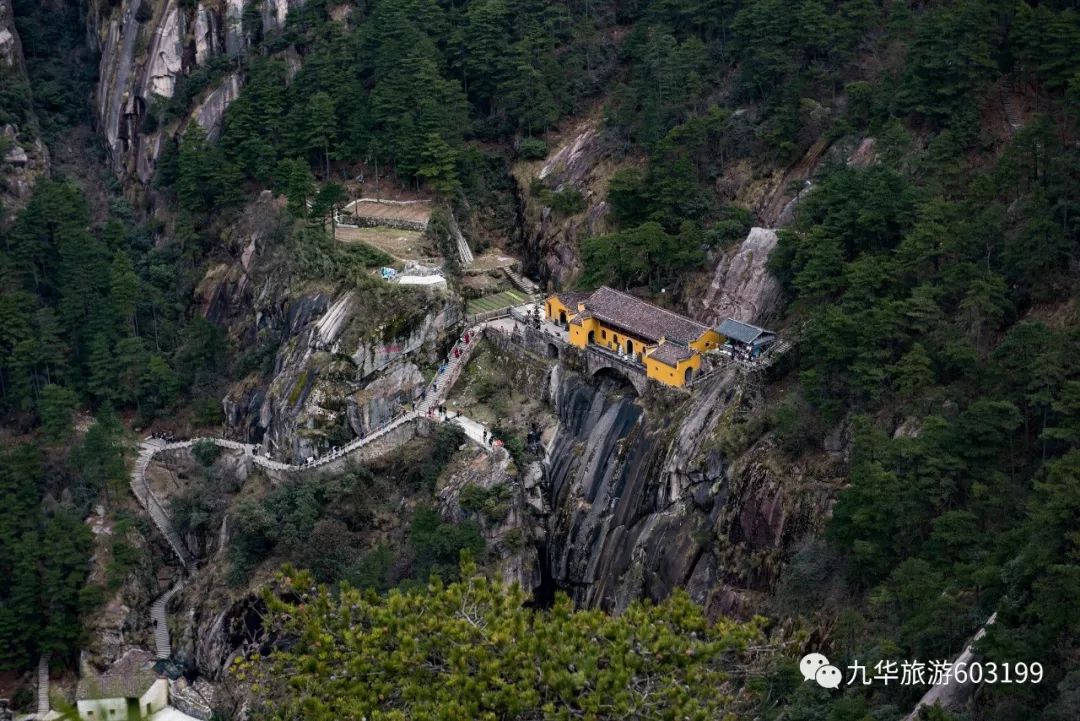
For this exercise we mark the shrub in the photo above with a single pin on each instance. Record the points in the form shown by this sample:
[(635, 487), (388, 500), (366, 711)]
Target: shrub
[(477, 650), (206, 452), (492, 503), (533, 149), (437, 546), (372, 570), (795, 423), (566, 202)]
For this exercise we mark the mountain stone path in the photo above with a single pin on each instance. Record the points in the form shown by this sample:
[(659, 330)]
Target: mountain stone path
[(43, 685), (158, 608), (433, 396)]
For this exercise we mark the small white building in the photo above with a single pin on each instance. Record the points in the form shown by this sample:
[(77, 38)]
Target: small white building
[(128, 691)]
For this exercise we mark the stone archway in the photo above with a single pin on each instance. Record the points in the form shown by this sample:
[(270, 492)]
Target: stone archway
[(629, 347), (562, 318), (592, 337), (552, 351), (615, 374), (688, 376)]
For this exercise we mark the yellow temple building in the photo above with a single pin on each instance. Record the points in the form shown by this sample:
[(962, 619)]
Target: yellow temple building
[(667, 344)]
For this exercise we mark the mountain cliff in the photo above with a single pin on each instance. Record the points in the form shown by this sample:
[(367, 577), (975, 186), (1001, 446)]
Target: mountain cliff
[(24, 157), (165, 63)]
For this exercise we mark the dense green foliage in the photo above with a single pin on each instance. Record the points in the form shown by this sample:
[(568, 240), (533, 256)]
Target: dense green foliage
[(400, 86), (81, 323), (472, 650), (936, 290), (325, 526), (43, 552), (804, 69), (60, 66), (79, 328)]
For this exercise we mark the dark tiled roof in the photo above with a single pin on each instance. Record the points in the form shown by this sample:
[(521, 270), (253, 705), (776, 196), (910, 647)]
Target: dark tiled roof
[(643, 319), (129, 677), (742, 332), (571, 299), (577, 319), (671, 354)]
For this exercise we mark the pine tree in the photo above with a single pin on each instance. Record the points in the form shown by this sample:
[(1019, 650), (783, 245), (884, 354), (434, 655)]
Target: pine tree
[(438, 166), (293, 179), (124, 292), (327, 202), (913, 374), (474, 650), (320, 129), (56, 409), (193, 169)]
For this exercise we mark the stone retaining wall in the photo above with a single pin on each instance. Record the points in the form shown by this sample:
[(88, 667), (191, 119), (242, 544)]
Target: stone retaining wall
[(363, 221)]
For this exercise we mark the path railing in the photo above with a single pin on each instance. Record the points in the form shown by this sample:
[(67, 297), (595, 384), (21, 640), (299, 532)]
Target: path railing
[(154, 508), (478, 318)]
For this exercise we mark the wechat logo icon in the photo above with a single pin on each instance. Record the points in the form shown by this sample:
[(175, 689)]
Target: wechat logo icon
[(815, 667)]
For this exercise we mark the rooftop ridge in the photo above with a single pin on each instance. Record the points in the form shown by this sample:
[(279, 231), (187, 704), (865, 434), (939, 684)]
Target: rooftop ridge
[(672, 313)]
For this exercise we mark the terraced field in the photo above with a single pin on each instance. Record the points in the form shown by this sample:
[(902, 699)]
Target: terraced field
[(497, 301)]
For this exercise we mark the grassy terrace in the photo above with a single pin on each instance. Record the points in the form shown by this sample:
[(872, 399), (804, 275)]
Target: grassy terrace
[(505, 299)]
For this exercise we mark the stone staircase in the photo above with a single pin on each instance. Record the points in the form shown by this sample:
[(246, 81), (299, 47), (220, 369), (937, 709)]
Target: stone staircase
[(43, 686), (435, 392), (522, 283), (153, 506), (444, 381), (464, 251), (1008, 93), (161, 624)]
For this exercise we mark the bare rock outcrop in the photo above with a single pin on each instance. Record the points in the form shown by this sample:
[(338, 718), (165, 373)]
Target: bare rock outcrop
[(23, 156), (580, 163), (513, 528), (641, 507), (210, 112), (742, 287), (379, 401), (147, 49), (10, 47), (343, 361)]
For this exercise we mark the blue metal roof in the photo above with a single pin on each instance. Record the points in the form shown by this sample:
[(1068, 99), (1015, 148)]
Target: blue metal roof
[(742, 332)]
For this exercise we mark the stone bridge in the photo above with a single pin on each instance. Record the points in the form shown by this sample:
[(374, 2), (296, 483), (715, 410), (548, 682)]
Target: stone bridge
[(514, 335), (600, 361)]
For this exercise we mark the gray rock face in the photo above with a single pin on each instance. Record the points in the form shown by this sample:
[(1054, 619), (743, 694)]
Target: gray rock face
[(380, 400), (235, 42), (10, 48), (23, 157), (211, 110), (742, 287), (207, 43), (147, 47), (512, 540), (550, 240), (333, 372), (300, 404), (640, 506), (274, 13)]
